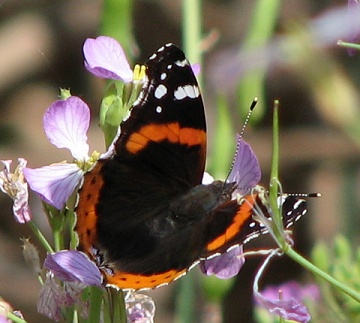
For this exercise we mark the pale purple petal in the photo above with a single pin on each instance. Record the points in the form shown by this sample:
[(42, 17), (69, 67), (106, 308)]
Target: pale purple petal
[(196, 68), (140, 308), (105, 58), (74, 266), (21, 209), (292, 289), (13, 185), (246, 169), (289, 309), (226, 265), (66, 123), (5, 308), (49, 304), (54, 183)]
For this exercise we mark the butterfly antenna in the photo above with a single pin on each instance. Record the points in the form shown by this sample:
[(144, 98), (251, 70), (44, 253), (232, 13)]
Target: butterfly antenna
[(304, 194), (252, 106)]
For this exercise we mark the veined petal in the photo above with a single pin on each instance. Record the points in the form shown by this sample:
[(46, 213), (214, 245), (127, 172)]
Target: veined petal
[(49, 299), (54, 183), (289, 309), (74, 266), (105, 58), (246, 169), (13, 184), (66, 123), (226, 265)]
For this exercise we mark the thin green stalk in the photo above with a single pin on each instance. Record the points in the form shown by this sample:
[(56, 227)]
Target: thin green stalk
[(348, 45), (186, 300), (316, 271), (114, 306), (224, 150), (192, 31), (15, 318), (57, 225), (40, 237), (117, 22), (274, 175), (96, 295), (263, 21)]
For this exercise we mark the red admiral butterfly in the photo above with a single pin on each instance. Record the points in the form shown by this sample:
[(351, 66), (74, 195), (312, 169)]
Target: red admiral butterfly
[(143, 213)]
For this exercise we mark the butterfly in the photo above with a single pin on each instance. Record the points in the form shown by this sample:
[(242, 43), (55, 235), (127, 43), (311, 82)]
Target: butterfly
[(143, 214)]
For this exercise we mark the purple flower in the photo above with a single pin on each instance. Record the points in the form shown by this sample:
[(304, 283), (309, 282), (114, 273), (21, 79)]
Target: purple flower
[(13, 184), (246, 169), (288, 305), (65, 123), (226, 265), (292, 289), (54, 297), (105, 58), (246, 173), (74, 266), (4, 309), (140, 308)]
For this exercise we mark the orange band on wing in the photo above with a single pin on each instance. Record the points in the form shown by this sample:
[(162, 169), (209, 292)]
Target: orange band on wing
[(171, 132), (86, 208), (244, 212), (125, 280)]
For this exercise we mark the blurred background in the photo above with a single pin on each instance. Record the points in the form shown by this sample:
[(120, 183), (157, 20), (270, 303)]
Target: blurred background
[(299, 63)]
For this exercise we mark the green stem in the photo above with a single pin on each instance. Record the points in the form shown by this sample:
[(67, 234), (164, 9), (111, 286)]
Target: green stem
[(96, 295), (316, 271), (114, 307), (117, 22), (15, 318), (260, 31), (191, 32), (40, 237), (274, 177), (348, 45)]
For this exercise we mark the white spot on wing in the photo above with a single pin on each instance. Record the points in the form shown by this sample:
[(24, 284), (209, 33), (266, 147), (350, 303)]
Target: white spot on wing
[(190, 91), (163, 76), (158, 109), (153, 56), (161, 49), (160, 91), (182, 63)]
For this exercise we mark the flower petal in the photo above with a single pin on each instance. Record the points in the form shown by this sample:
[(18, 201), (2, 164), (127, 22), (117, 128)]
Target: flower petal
[(140, 308), (246, 169), (226, 265), (49, 304), (66, 123), (105, 58), (196, 68), (54, 183), (13, 184), (289, 309), (74, 266)]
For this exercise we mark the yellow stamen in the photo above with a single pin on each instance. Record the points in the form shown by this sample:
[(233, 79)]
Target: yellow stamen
[(139, 72)]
